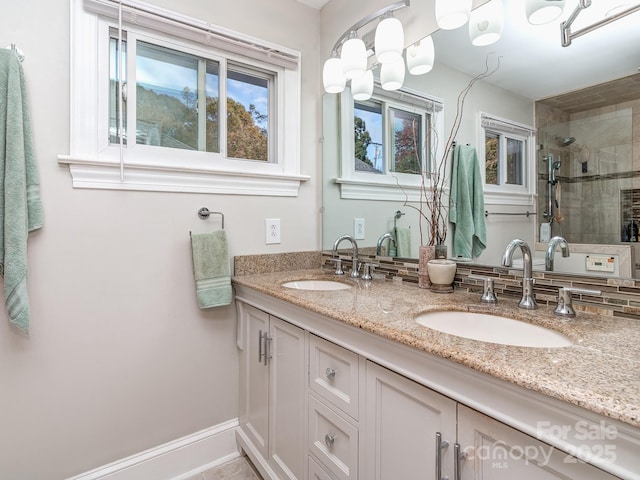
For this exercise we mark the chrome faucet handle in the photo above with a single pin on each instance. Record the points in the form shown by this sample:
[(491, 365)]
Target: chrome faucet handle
[(368, 267), (488, 294), (565, 300), (339, 270)]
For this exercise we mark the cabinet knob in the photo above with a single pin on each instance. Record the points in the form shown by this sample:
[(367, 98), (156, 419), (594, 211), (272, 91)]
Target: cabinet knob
[(328, 440), (330, 372)]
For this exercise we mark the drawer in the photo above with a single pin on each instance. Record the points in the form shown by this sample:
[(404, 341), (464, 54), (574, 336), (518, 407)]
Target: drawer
[(316, 472), (334, 375), (333, 441)]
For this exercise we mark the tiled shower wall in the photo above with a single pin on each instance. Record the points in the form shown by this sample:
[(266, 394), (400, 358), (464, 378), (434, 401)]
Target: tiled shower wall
[(603, 160)]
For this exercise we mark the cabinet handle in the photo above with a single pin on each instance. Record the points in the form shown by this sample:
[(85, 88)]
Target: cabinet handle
[(330, 372), (261, 337), (459, 456), (267, 347), (328, 440), (440, 445)]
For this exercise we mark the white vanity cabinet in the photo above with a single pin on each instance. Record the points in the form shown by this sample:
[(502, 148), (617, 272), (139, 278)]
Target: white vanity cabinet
[(334, 402), (272, 393), (410, 429), (491, 450)]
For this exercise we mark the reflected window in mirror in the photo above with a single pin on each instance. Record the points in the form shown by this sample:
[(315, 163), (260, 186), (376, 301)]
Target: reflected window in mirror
[(508, 156), (406, 136), (367, 133), (391, 134)]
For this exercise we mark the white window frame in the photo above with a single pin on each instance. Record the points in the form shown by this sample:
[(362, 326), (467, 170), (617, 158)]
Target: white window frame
[(94, 163), (508, 194), (388, 185)]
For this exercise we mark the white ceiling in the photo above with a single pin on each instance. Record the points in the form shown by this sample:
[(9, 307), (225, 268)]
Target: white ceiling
[(533, 62)]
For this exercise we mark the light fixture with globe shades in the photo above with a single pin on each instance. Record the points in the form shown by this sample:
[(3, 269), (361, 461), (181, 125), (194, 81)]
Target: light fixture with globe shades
[(352, 59)]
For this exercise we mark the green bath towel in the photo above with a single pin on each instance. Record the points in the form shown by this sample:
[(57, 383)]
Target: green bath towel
[(211, 268), (20, 205), (466, 204)]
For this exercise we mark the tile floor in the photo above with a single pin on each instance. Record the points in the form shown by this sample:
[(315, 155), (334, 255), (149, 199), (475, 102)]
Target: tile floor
[(237, 469)]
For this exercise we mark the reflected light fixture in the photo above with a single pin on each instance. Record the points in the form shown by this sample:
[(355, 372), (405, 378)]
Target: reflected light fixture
[(389, 39), (420, 56), (353, 56), (353, 59), (332, 76), (362, 87), (540, 12), (392, 75), (451, 14), (485, 23)]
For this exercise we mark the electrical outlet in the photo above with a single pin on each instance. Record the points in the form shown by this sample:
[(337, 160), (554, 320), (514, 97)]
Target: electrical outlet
[(358, 228), (272, 230)]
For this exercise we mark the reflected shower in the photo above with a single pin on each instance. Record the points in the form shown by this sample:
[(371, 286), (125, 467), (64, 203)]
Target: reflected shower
[(564, 141)]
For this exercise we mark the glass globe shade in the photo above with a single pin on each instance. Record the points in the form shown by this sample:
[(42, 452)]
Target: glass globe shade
[(389, 40), (392, 75), (354, 58), (451, 14), (362, 87), (332, 76), (420, 56), (485, 24), (540, 12)]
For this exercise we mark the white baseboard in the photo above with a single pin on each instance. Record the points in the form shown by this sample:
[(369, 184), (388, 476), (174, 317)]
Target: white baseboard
[(175, 460)]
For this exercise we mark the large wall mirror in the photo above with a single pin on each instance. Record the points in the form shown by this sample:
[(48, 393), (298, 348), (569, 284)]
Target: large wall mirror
[(582, 101)]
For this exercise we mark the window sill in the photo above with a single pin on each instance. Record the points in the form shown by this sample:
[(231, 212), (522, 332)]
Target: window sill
[(106, 175), (509, 198), (380, 190)]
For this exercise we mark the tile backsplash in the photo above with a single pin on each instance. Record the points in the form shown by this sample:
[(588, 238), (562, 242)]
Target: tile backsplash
[(619, 297)]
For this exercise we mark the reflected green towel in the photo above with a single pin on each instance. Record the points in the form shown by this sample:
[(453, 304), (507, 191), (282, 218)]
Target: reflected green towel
[(403, 242), (466, 204), (211, 268), (20, 205)]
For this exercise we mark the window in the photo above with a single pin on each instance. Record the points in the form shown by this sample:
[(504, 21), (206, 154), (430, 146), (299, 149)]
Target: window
[(200, 109), (392, 135), (507, 150)]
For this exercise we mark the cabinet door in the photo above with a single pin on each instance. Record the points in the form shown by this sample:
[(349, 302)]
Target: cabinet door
[(254, 393), (402, 419), (494, 451), (286, 404)]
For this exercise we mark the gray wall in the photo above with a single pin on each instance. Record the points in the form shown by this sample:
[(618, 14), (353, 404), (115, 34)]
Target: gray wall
[(119, 358)]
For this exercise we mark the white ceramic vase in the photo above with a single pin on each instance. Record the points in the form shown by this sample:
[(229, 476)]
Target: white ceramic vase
[(441, 274)]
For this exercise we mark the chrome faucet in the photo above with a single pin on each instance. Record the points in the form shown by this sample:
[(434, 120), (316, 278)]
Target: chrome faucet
[(381, 241), (354, 244), (551, 248), (528, 300)]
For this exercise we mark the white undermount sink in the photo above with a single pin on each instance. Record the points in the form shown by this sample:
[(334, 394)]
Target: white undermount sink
[(493, 329), (320, 285)]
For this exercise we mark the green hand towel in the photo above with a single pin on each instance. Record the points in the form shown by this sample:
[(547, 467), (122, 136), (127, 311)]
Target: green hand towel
[(403, 242), (211, 268), (20, 204), (466, 204)]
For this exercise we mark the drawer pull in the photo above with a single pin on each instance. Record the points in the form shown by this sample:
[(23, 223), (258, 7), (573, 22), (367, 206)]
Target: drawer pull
[(330, 372), (328, 440)]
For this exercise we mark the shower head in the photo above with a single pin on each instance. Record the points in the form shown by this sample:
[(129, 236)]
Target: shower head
[(565, 141)]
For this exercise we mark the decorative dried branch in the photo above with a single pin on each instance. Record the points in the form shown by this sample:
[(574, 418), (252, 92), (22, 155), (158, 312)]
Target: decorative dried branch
[(433, 201)]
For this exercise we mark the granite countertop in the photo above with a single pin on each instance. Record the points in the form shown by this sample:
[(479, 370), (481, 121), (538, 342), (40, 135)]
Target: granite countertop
[(600, 372)]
